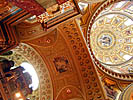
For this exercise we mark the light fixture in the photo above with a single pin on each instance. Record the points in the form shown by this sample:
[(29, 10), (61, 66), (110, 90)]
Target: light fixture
[(20, 99), (18, 95)]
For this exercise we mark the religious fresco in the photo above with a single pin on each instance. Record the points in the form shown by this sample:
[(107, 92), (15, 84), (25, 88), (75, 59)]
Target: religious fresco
[(105, 40), (111, 89), (111, 92), (61, 64)]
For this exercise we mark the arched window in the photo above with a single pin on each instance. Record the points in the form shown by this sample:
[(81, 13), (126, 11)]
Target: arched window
[(30, 69)]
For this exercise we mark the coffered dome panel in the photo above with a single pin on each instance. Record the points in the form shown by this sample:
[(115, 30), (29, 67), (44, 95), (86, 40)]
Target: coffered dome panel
[(111, 37)]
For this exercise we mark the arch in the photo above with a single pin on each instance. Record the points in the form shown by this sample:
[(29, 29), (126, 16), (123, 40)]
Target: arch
[(127, 94), (70, 93), (45, 91)]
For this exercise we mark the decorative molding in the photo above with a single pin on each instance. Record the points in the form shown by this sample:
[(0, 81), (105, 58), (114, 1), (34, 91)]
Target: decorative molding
[(45, 84), (76, 42)]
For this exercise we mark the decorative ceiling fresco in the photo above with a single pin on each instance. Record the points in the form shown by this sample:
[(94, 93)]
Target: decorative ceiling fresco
[(6, 8), (67, 69), (111, 37), (31, 6), (47, 3), (3, 6), (53, 11)]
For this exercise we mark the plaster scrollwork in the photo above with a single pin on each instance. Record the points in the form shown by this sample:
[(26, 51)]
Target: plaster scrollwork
[(45, 91)]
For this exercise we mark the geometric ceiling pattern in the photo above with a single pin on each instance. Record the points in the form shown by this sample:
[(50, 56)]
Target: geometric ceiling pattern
[(112, 37)]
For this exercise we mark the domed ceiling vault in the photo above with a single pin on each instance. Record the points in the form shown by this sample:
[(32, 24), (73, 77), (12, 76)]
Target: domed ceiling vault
[(117, 79), (86, 27), (115, 26), (90, 10)]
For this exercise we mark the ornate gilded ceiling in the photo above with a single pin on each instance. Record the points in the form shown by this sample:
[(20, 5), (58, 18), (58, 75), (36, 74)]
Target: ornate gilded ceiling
[(54, 11), (111, 37), (6, 9), (63, 62), (47, 3), (91, 1), (25, 53)]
